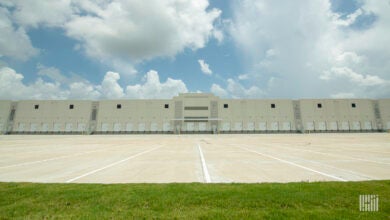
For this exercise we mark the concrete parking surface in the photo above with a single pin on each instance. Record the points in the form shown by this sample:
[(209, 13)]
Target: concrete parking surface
[(244, 158)]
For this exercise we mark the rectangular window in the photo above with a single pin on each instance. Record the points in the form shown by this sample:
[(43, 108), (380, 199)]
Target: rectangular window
[(273, 105), (71, 106), (196, 119), (319, 105), (353, 105), (225, 106), (196, 108), (118, 106), (166, 106), (36, 106)]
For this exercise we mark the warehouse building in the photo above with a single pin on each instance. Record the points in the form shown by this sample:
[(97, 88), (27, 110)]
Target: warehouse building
[(194, 113)]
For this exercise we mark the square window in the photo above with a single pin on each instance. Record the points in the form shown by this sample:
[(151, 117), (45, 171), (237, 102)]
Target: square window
[(353, 105), (36, 106), (118, 106), (166, 106), (71, 106), (225, 106), (319, 105), (273, 105)]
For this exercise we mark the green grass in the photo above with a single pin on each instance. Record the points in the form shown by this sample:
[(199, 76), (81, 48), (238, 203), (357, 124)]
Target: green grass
[(320, 200)]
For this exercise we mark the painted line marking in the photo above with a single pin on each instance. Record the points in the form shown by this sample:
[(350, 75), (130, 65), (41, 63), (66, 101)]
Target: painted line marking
[(294, 164), (336, 155), (50, 159), (206, 174), (112, 164)]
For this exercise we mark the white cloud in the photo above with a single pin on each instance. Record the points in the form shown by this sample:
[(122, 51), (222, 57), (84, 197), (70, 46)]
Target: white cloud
[(153, 88), (343, 95), (84, 90), (359, 79), (13, 87), (204, 67), (43, 12), (218, 91), (110, 86), (119, 33), (132, 30), (235, 89), (51, 72), (14, 42), (296, 44), (243, 76)]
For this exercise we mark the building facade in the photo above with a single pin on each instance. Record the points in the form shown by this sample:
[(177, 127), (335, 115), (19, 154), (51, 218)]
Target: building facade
[(194, 113)]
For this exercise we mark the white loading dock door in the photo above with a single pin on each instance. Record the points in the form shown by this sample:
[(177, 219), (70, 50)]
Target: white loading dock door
[(190, 126), (45, 127), (104, 127), (344, 126), (21, 127), (262, 126), (321, 126), (226, 126), (274, 126), (286, 126), (202, 126), (81, 127), (154, 126), (129, 127), (166, 126), (310, 126), (355, 125), (250, 126), (68, 127), (388, 125), (141, 127), (238, 126), (34, 127), (332, 126), (117, 127), (57, 127), (367, 125)]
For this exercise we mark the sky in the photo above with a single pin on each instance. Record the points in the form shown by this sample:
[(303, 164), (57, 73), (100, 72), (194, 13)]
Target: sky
[(156, 49)]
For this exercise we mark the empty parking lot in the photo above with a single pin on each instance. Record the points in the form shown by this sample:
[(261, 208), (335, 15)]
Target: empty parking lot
[(244, 158)]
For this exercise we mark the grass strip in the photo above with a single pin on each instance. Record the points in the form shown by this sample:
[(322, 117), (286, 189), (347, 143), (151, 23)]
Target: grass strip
[(317, 200)]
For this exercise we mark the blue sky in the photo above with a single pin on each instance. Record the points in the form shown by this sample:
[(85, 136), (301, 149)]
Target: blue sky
[(122, 49)]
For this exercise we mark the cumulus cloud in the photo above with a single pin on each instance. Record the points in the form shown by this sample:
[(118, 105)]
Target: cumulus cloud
[(12, 87), (359, 79), (218, 91), (235, 89), (204, 67), (125, 28), (14, 42), (292, 51), (153, 88), (110, 86), (119, 33), (31, 14)]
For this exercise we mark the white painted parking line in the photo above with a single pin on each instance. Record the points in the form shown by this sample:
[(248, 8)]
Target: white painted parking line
[(335, 155), (206, 174), (50, 159), (293, 164), (112, 164)]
